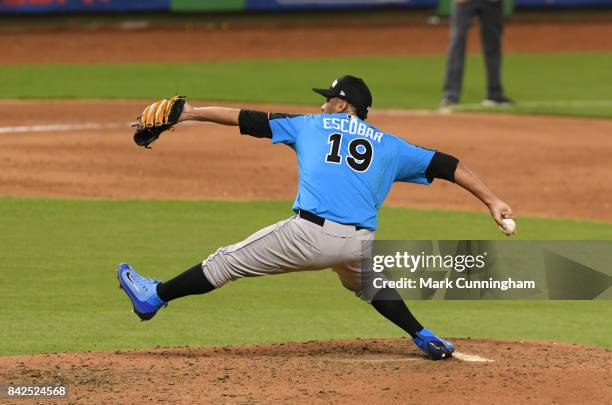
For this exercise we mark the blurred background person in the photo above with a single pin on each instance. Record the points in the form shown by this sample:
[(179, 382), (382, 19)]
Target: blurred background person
[(491, 20)]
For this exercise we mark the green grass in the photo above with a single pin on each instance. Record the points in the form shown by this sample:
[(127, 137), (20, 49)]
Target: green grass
[(58, 290), (542, 84)]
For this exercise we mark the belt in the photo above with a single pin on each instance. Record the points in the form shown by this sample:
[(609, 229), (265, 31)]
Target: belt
[(315, 219)]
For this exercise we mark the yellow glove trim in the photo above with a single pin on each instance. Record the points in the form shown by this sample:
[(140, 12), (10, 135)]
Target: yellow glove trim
[(150, 119), (143, 117), (161, 115)]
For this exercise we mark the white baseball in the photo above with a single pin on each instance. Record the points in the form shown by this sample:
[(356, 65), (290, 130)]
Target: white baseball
[(508, 226)]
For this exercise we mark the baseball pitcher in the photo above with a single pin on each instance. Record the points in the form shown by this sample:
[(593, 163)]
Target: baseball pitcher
[(346, 169)]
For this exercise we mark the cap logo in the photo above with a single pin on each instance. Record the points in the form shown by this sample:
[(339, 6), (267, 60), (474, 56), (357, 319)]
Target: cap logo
[(342, 93), (334, 83)]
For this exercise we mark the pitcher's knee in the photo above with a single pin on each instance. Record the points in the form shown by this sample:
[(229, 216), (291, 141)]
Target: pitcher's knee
[(217, 270), (353, 284), (350, 285)]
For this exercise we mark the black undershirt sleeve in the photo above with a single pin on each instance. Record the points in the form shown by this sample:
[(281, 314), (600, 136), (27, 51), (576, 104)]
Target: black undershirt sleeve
[(257, 123), (442, 166), (254, 123)]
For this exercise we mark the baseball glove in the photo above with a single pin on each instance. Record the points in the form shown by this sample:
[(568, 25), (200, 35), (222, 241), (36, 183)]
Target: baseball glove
[(157, 118)]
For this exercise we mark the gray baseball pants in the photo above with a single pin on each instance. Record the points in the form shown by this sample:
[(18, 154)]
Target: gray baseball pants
[(491, 19), (296, 244)]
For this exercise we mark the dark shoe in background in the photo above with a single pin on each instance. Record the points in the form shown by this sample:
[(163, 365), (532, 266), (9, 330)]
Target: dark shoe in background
[(449, 102), (502, 101)]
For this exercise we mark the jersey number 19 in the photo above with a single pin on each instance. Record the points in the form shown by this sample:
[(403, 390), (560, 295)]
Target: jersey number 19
[(360, 152)]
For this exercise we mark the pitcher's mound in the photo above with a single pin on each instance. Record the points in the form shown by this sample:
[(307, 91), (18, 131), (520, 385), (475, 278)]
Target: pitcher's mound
[(357, 371)]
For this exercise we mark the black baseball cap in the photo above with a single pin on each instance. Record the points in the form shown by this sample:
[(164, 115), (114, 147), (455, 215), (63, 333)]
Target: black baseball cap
[(352, 89)]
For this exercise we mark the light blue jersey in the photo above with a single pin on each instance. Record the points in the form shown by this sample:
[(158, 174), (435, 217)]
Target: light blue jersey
[(347, 166)]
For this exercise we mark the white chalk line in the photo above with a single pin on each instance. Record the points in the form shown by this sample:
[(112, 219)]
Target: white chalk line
[(74, 127), (538, 104), (471, 358), (60, 127), (480, 107), (382, 112)]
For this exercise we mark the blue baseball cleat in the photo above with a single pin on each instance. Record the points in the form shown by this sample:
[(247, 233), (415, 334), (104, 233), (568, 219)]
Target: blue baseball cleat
[(141, 291), (433, 346)]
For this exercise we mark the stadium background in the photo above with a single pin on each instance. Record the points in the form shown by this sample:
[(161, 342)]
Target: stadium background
[(45, 6), (78, 197)]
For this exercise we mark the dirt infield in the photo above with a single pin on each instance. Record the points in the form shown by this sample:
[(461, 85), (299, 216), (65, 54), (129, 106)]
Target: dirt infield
[(187, 45), (537, 163), (359, 371)]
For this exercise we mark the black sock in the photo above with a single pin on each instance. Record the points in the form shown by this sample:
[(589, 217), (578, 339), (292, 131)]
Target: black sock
[(190, 282), (390, 305)]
